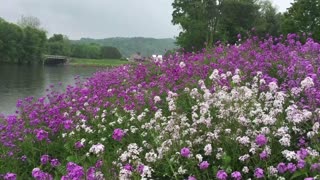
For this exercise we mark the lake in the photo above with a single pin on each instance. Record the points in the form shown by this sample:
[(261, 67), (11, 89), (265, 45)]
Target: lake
[(20, 81)]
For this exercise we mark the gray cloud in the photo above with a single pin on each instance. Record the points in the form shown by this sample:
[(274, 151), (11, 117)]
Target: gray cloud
[(101, 18)]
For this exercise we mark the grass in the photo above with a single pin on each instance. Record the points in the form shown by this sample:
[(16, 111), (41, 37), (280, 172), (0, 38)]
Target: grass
[(97, 62)]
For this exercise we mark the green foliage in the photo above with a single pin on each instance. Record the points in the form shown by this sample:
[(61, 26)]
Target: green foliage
[(98, 62), (234, 20), (110, 52), (303, 16), (21, 45), (129, 46), (58, 45), (198, 20), (206, 21), (269, 21)]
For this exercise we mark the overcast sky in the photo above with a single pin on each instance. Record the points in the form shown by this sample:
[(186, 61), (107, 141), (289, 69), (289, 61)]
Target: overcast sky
[(101, 18)]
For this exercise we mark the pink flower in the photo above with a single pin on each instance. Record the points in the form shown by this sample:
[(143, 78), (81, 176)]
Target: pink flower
[(222, 175), (204, 165), (185, 152), (258, 173), (261, 140), (118, 134)]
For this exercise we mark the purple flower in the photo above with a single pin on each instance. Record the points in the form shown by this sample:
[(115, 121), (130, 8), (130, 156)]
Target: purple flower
[(192, 178), (315, 167), (36, 172), (23, 158), (236, 175), (301, 164), (204, 165), (140, 168), (41, 134), (75, 171), (221, 175), (40, 175), (78, 145), (309, 178), (291, 167), (118, 134), (185, 152), (55, 162), (258, 173), (67, 124), (45, 159), (99, 164), (302, 153), (261, 140), (282, 168), (91, 173), (128, 167), (263, 155), (10, 176)]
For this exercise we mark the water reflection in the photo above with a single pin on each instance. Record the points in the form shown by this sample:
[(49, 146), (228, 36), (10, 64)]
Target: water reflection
[(20, 81)]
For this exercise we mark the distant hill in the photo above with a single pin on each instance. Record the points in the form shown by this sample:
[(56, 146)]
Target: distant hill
[(129, 46)]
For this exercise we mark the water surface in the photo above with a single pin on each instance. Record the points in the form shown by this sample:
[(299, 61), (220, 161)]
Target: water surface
[(20, 81)]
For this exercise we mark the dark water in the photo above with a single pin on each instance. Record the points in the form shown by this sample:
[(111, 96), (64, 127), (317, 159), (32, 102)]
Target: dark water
[(18, 82)]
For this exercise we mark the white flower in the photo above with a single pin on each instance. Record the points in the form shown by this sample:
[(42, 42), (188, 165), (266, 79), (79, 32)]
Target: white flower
[(208, 149), (307, 83), (125, 174), (289, 155), (181, 170), (296, 91), (245, 169), (182, 65), (199, 157), (156, 99), (273, 86), (272, 171), (315, 127), (151, 157), (285, 140), (244, 157), (97, 149), (236, 79), (214, 75), (245, 140), (146, 172), (281, 178)]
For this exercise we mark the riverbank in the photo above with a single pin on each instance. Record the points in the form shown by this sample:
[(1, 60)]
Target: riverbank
[(97, 62)]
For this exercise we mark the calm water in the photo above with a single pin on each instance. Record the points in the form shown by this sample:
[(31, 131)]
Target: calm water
[(18, 82)]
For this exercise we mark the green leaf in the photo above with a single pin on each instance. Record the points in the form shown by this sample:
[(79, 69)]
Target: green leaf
[(71, 158), (226, 160), (297, 174)]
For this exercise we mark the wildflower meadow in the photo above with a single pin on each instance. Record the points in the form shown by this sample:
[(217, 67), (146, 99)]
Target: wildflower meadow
[(245, 111)]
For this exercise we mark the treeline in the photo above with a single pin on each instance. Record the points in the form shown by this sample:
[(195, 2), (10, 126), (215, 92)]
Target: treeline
[(21, 44), (61, 45), (129, 46), (26, 43), (204, 22)]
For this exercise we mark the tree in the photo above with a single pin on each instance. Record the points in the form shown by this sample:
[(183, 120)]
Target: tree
[(205, 21), (56, 38), (59, 44), (198, 20), (269, 21), (237, 16), (33, 45), (110, 52), (29, 21), (303, 16)]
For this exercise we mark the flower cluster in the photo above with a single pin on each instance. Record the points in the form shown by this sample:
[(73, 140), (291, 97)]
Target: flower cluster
[(231, 112)]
